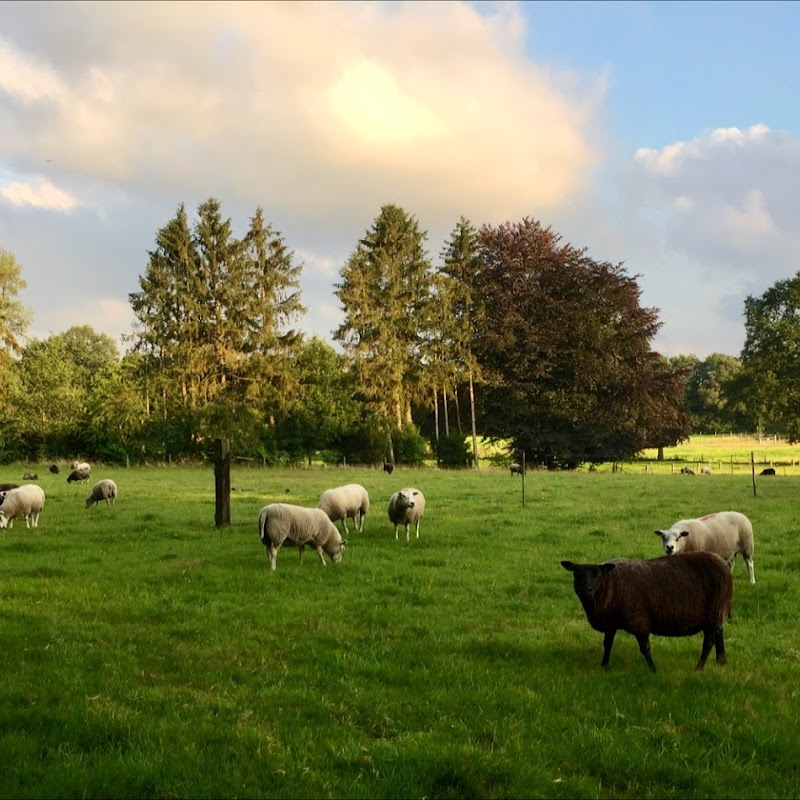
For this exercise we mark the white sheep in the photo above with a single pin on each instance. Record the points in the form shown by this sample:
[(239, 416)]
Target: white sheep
[(282, 523), (82, 465), (26, 501), (725, 533), (342, 502), (706, 471), (406, 507), (105, 489)]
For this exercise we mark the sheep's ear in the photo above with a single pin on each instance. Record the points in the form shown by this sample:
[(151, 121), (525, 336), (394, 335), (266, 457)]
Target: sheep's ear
[(659, 533), (568, 565), (607, 567), (344, 542)]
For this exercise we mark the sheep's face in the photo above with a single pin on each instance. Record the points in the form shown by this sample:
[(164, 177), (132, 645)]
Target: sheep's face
[(673, 540), (587, 579), (404, 501), (337, 551)]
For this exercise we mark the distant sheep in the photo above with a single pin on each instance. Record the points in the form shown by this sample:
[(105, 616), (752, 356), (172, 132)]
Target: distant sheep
[(687, 471), (54, 469), (406, 507), (515, 469), (25, 501), (284, 524), (726, 534), (706, 471), (767, 471), (81, 465), (666, 596), (76, 475), (106, 490), (30, 476), (388, 468), (351, 500)]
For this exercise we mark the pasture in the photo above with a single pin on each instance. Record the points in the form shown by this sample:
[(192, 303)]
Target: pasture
[(147, 654)]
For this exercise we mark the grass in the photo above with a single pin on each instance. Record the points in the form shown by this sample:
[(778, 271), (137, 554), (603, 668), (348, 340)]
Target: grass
[(147, 654)]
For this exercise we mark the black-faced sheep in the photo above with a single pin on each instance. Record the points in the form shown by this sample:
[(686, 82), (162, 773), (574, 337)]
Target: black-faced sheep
[(284, 524), (726, 534), (30, 476), (515, 469), (54, 469), (106, 490), (687, 471), (406, 507), (388, 468), (767, 471), (25, 501), (667, 596), (351, 500), (78, 475)]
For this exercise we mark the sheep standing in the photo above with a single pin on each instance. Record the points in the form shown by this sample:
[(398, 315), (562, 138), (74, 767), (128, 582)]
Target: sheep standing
[(687, 471), (406, 507), (25, 501), (81, 465), (767, 471), (106, 490), (388, 467), (726, 534), (706, 471), (515, 469), (54, 469), (282, 523), (666, 596), (351, 500), (78, 475)]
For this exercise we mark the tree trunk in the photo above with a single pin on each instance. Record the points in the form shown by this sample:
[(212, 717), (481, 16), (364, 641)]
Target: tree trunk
[(436, 413), (446, 415), (458, 411), (660, 456), (472, 415)]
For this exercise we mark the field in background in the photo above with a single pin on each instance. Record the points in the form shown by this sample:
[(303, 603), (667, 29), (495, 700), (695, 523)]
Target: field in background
[(146, 654)]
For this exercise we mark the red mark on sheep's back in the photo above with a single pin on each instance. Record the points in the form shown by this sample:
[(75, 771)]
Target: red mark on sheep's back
[(707, 516)]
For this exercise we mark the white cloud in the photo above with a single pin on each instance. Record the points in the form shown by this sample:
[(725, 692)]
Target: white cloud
[(108, 315), (39, 193)]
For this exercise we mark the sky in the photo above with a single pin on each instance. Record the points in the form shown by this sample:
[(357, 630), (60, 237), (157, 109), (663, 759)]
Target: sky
[(661, 135)]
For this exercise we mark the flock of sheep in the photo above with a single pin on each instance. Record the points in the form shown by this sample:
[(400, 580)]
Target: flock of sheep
[(28, 500), (282, 524), (682, 593)]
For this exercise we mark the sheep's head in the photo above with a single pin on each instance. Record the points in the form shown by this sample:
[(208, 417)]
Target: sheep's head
[(587, 578), (404, 500), (673, 540)]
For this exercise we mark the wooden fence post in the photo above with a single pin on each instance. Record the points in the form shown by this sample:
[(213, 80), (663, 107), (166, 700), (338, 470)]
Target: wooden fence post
[(222, 482)]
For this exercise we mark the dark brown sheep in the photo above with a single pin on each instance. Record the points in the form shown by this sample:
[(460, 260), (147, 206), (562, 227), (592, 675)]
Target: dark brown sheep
[(4, 487), (78, 475), (677, 595), (388, 468), (54, 469), (515, 469)]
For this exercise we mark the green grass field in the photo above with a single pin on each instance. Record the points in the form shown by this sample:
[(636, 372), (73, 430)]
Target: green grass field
[(147, 654)]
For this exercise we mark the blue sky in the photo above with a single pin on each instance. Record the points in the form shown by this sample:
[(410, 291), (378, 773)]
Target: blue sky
[(661, 135)]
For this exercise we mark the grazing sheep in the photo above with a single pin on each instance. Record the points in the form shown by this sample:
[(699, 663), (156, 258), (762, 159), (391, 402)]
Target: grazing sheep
[(406, 507), (666, 596), (105, 489), (515, 469), (281, 523), (726, 534), (687, 471), (4, 487), (81, 465), (81, 475), (30, 476), (351, 500), (25, 501), (54, 469), (388, 468), (767, 471), (706, 471)]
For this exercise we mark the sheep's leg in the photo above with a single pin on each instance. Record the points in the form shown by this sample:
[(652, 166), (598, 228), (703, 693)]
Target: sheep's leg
[(272, 552), (395, 532), (408, 537), (719, 644), (344, 524), (608, 641), (301, 548), (644, 649), (321, 554), (709, 639), (750, 568), (417, 529)]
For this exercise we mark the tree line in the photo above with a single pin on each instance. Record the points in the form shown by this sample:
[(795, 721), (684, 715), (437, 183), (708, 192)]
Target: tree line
[(513, 335)]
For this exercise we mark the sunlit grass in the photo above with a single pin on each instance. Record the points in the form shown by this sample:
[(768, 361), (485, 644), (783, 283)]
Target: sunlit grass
[(147, 654)]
